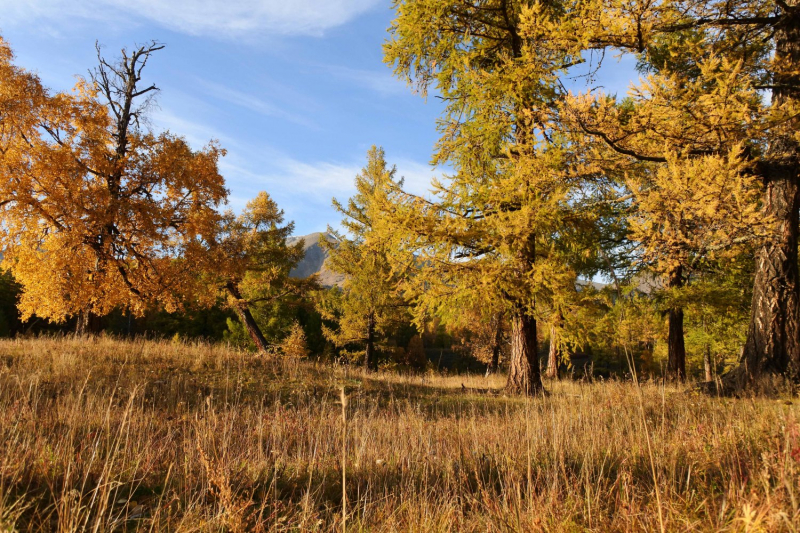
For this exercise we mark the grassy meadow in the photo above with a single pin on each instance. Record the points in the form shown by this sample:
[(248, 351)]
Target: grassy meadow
[(110, 435)]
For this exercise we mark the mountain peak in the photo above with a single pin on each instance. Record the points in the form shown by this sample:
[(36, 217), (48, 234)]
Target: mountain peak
[(315, 260)]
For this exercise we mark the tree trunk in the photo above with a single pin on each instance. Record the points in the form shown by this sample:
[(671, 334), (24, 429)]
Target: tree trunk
[(523, 371), (676, 349), (369, 352), (772, 345), (707, 366), (554, 354), (524, 376), (88, 323), (82, 324), (249, 323), (497, 343), (773, 339)]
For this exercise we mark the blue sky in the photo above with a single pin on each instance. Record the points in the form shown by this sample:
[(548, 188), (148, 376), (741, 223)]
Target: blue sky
[(295, 90)]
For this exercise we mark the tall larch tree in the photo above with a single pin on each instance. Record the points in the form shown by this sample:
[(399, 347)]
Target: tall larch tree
[(99, 212), (369, 304), (513, 192)]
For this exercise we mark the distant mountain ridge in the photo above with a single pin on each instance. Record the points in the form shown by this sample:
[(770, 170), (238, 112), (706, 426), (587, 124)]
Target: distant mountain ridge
[(314, 260)]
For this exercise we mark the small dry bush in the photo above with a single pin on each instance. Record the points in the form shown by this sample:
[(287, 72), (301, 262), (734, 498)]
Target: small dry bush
[(106, 435)]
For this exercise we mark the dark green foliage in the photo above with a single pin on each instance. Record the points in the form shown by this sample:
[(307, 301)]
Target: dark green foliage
[(9, 316), (207, 324)]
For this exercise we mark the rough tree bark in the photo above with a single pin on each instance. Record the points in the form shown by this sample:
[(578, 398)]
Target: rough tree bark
[(524, 376), (88, 323), (249, 323), (676, 349), (523, 369), (773, 339), (554, 354), (81, 326), (707, 365), (772, 345)]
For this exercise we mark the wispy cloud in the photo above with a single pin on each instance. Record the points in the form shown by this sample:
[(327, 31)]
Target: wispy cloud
[(417, 176), (216, 18), (253, 103), (379, 81), (303, 188), (195, 133), (321, 179), (251, 168), (326, 179)]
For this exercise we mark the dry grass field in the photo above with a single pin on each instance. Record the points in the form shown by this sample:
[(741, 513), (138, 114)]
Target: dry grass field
[(107, 435)]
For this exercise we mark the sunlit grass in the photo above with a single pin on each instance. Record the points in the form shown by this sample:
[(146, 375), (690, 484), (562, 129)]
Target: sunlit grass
[(104, 435)]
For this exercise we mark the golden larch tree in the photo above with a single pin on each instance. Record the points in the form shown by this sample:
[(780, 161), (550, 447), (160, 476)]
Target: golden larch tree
[(98, 212), (248, 261), (368, 305), (497, 225)]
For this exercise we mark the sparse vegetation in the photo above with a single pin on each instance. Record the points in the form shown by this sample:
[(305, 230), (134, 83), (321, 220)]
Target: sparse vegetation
[(105, 435)]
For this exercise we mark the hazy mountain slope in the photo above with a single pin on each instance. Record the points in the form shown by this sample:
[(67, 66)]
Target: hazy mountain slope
[(314, 261)]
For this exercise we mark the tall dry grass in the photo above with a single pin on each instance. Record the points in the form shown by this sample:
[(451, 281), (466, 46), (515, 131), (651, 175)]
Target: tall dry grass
[(106, 435)]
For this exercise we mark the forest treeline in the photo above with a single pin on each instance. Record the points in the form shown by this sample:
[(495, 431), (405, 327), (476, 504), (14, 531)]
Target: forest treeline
[(681, 194)]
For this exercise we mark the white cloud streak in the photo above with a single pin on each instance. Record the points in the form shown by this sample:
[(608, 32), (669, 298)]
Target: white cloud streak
[(215, 18), (417, 176), (382, 82), (303, 188), (253, 103), (196, 134)]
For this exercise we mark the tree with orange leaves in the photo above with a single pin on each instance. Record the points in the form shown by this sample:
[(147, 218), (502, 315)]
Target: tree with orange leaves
[(99, 212)]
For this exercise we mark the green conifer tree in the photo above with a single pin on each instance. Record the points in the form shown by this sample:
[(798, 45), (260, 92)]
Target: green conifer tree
[(249, 264)]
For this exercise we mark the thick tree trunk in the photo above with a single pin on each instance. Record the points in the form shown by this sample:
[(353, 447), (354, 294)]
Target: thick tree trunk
[(773, 339), (82, 324), (554, 354), (88, 323), (676, 349), (369, 352), (523, 369), (249, 323), (772, 345), (524, 376)]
